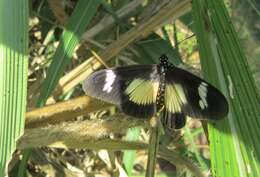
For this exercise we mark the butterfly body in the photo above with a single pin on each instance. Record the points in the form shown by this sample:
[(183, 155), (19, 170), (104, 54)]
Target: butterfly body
[(143, 90), (162, 69)]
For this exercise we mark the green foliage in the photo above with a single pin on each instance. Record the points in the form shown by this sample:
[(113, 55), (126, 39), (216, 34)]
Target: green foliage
[(130, 155), (77, 24), (13, 76), (152, 47), (234, 142)]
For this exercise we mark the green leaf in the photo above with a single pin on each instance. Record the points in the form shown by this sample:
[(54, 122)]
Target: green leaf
[(77, 24), (234, 142), (130, 155), (152, 47), (13, 75)]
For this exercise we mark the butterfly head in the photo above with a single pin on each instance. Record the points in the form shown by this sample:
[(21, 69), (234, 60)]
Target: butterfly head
[(164, 60)]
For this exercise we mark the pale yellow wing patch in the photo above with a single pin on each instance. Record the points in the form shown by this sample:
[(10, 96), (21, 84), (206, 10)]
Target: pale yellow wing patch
[(174, 97), (142, 91)]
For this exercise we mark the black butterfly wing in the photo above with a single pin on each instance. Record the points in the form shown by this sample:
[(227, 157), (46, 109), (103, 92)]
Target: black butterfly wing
[(189, 95), (172, 121), (133, 88)]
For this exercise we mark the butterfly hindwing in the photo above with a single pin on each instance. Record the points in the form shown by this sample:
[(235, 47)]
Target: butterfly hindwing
[(192, 96), (172, 121), (133, 88)]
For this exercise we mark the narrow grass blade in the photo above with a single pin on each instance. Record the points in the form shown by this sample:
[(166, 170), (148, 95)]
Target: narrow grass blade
[(153, 146), (13, 76), (234, 142), (130, 155), (77, 24)]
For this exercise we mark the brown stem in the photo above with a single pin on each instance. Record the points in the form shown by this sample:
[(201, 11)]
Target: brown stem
[(81, 134), (58, 11), (63, 111)]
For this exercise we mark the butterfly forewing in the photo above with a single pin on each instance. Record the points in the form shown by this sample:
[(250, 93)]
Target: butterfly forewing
[(133, 88), (104, 85), (188, 94)]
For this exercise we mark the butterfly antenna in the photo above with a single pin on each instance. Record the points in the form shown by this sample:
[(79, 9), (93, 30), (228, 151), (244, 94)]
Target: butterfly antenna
[(186, 39)]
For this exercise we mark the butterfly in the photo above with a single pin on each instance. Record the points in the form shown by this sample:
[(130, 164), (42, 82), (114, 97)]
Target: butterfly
[(143, 90)]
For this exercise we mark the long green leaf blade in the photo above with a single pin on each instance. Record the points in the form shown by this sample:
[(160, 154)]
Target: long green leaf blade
[(77, 24), (130, 155), (13, 75), (234, 142)]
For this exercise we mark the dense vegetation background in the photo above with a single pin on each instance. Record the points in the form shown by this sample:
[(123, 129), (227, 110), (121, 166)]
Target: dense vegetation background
[(67, 40)]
